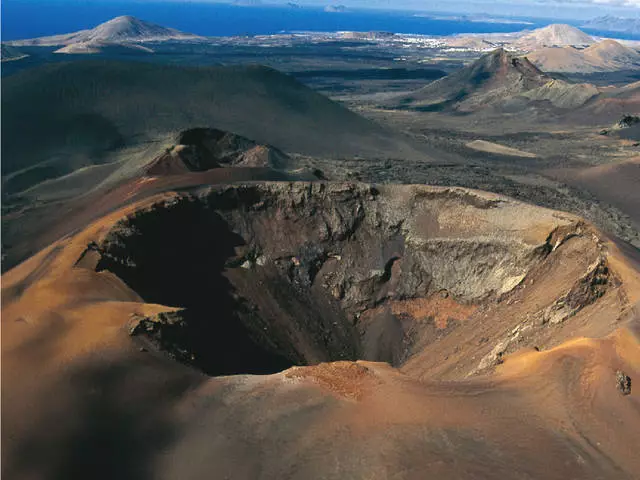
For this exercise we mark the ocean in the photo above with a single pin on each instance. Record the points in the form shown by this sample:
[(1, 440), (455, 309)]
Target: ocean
[(35, 18)]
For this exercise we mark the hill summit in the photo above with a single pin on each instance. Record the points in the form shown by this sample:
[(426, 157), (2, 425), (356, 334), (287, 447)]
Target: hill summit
[(607, 55), (555, 35), (128, 28), (494, 76), (119, 30), (611, 51)]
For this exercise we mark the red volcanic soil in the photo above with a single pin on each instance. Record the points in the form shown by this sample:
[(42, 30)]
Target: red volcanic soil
[(400, 331), (609, 106), (615, 183)]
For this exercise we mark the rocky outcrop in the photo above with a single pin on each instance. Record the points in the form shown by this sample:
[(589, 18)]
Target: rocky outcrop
[(201, 149), (114, 330), (623, 382), (628, 121), (294, 267)]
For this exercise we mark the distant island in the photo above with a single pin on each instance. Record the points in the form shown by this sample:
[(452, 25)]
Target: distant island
[(474, 19), (335, 8), (609, 23), (247, 3), (122, 32)]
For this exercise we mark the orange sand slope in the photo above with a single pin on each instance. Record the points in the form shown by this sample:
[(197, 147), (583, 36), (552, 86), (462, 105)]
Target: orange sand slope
[(473, 398)]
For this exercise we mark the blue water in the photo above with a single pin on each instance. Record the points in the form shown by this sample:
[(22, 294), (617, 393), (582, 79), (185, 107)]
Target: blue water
[(35, 18)]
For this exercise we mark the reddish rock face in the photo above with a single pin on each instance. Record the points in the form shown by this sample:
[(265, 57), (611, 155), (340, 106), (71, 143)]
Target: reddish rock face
[(305, 273), (383, 322), (202, 149)]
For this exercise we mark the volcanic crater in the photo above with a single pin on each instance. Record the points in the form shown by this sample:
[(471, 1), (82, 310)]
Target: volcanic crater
[(262, 277)]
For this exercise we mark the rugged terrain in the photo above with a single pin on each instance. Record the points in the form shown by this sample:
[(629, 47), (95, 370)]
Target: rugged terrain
[(534, 137), (81, 112), (496, 76), (498, 81), (275, 278), (219, 269), (99, 124)]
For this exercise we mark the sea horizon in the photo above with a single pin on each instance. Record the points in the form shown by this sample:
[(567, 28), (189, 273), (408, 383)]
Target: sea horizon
[(31, 19)]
